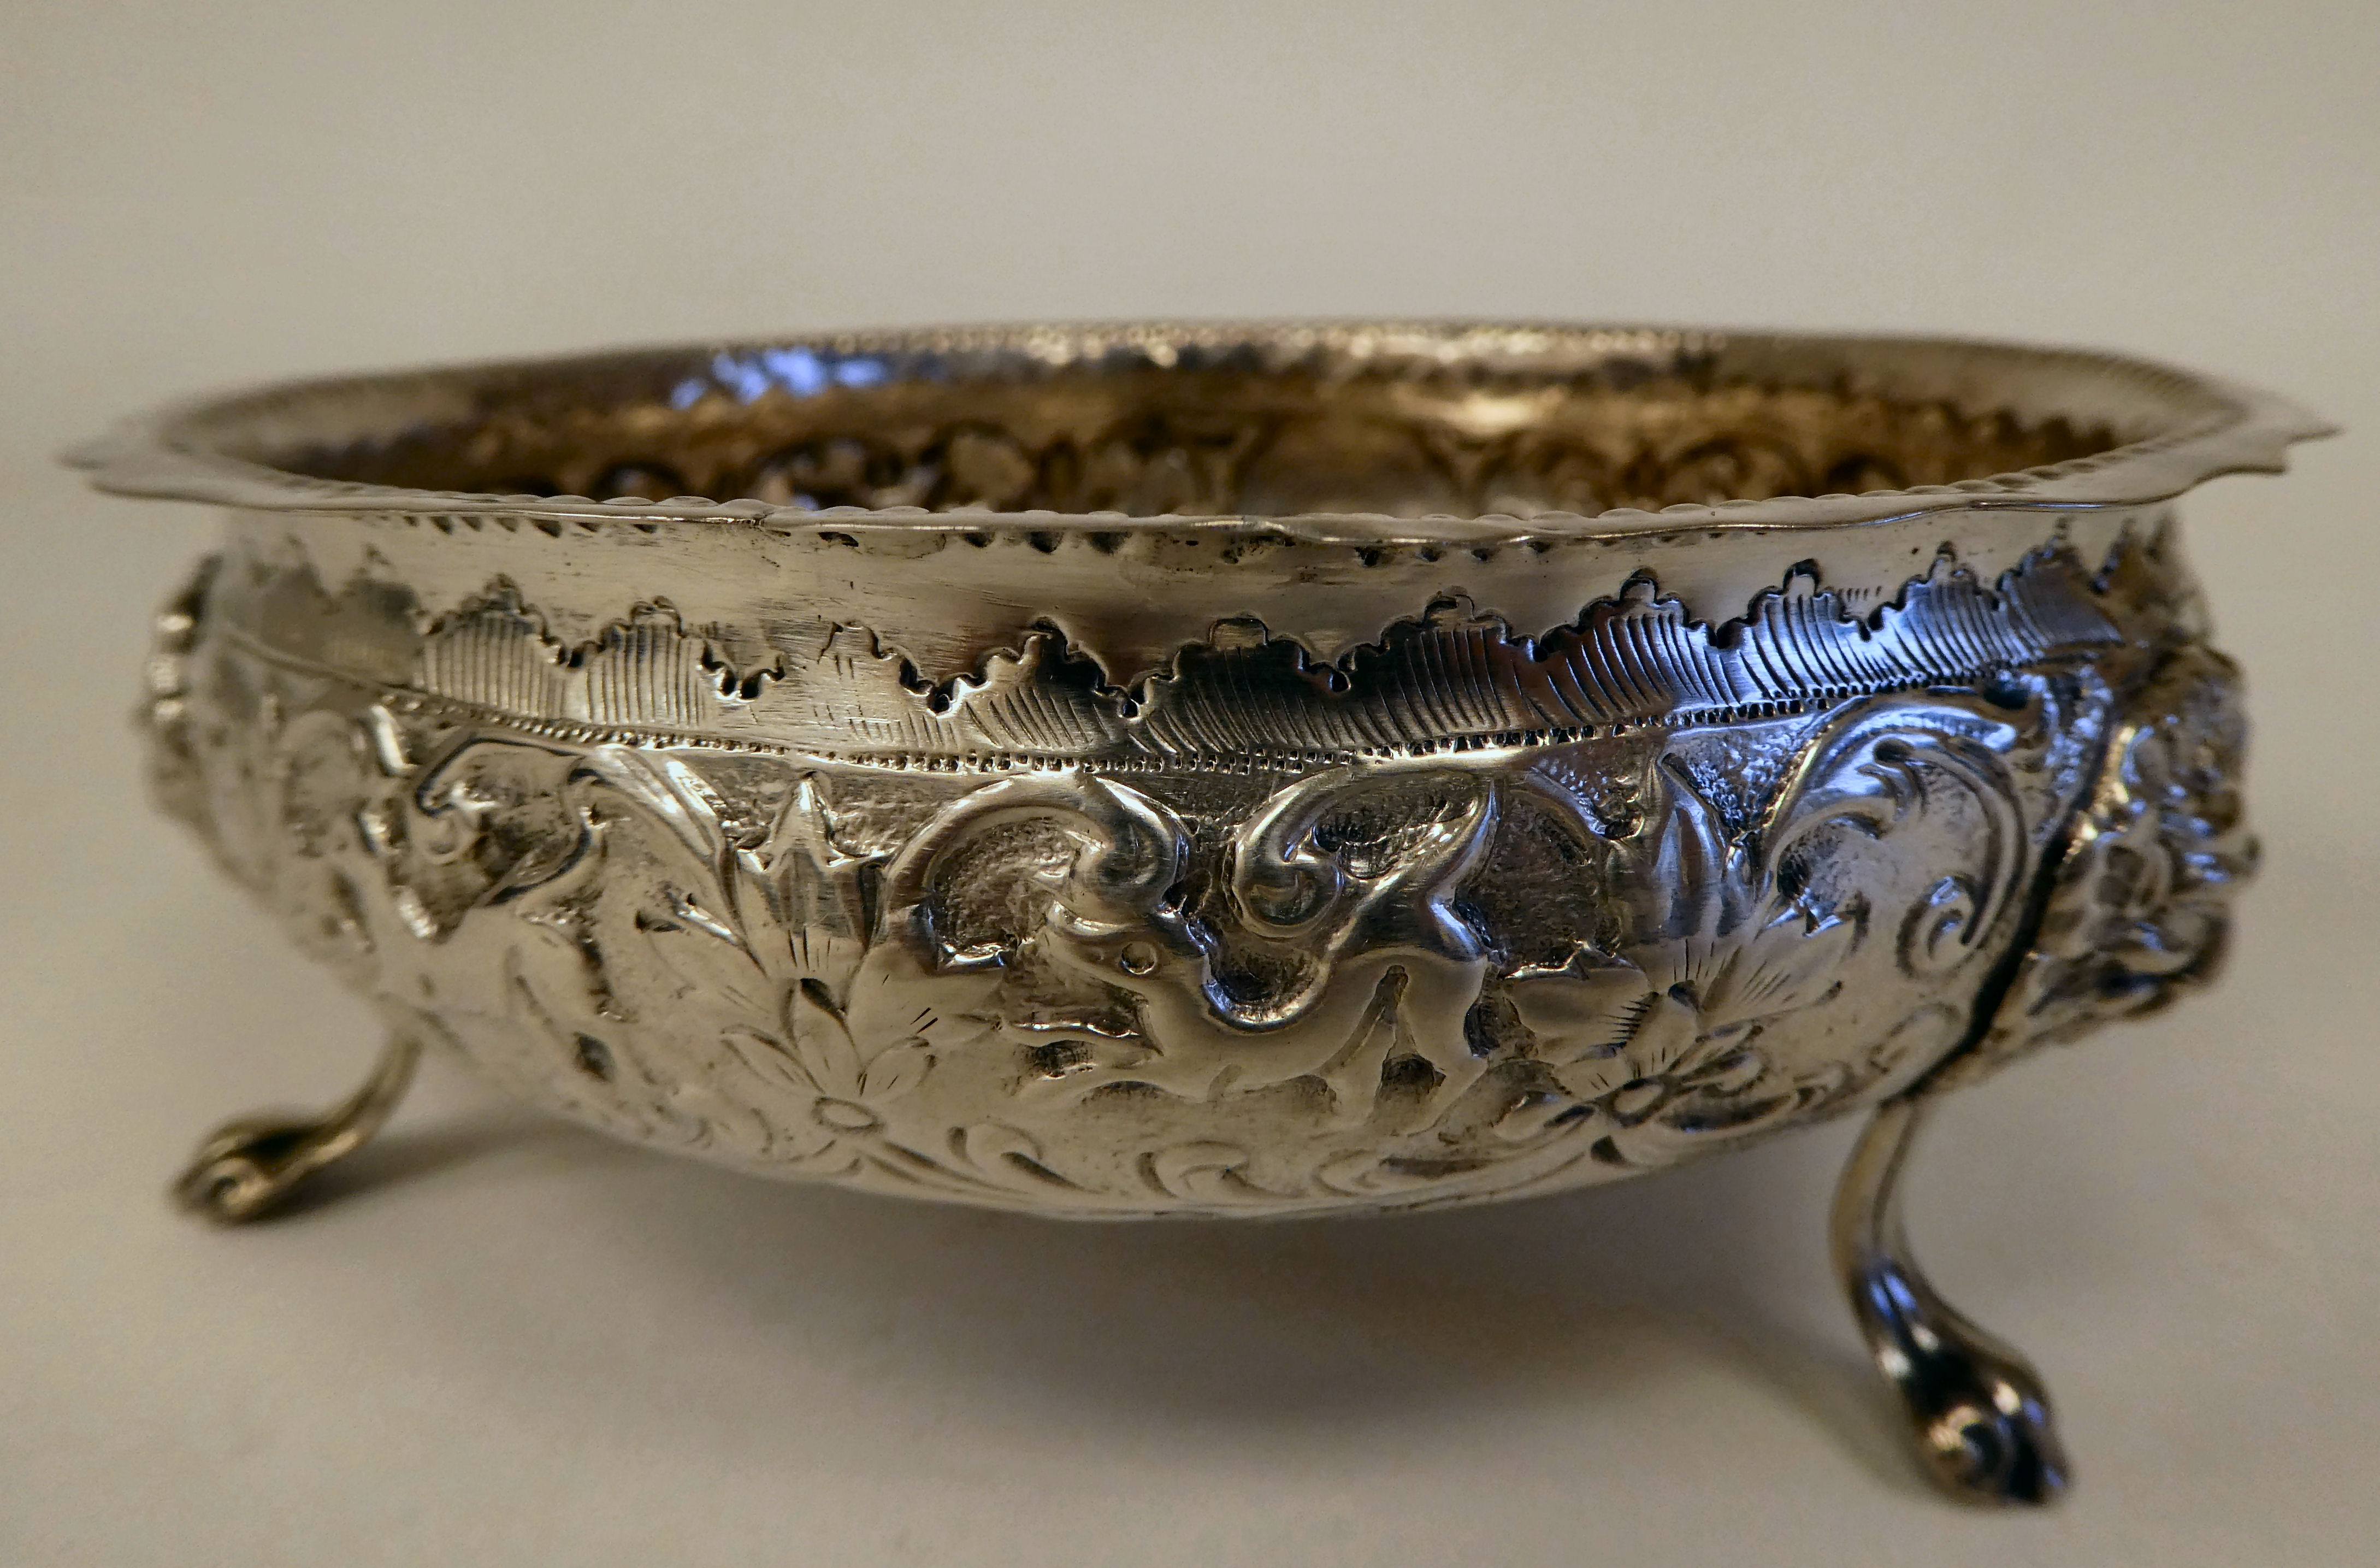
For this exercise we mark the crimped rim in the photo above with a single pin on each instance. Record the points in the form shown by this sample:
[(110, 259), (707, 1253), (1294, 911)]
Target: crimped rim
[(2184, 427)]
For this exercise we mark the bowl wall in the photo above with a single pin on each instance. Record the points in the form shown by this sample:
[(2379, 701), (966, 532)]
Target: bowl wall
[(1178, 867)]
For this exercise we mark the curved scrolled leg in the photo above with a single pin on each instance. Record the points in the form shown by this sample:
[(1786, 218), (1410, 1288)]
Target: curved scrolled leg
[(250, 1165), (1975, 1407)]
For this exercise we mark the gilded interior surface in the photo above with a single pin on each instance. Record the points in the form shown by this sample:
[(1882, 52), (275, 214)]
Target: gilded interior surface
[(1256, 440)]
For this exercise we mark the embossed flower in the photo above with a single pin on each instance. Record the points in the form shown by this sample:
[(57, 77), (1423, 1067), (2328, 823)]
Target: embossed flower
[(1638, 1032), (843, 1047)]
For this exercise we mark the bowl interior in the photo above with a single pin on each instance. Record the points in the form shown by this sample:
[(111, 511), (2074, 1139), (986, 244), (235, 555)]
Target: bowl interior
[(1239, 431)]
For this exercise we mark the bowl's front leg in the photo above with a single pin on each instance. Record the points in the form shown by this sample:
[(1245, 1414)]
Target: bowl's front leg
[(249, 1166), (1975, 1407)]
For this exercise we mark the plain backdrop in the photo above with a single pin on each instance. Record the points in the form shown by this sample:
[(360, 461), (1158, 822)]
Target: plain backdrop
[(511, 1342)]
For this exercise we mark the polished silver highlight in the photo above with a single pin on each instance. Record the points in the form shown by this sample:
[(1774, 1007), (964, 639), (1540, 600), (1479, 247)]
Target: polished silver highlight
[(1226, 770), (1975, 1406)]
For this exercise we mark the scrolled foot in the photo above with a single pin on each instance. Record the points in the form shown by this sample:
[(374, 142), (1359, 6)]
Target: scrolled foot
[(249, 1166), (1976, 1408)]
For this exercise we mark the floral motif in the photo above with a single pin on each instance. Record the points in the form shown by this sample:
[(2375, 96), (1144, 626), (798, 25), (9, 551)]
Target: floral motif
[(2139, 910), (1054, 988), (1666, 1024), (1679, 1030)]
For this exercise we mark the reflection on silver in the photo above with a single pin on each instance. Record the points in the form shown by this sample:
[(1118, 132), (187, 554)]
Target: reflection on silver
[(250, 1166), (1976, 1408), (1221, 771)]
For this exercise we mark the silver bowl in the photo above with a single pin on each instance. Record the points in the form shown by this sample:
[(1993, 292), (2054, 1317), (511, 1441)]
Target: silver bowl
[(1126, 771)]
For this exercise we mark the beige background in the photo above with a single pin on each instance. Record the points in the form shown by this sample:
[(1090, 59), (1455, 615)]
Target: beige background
[(511, 1342)]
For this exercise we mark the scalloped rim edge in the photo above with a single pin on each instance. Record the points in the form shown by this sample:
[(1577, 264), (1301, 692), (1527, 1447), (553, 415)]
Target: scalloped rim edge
[(164, 453)]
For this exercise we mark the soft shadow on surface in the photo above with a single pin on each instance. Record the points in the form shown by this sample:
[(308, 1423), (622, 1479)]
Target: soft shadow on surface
[(400, 1156), (1840, 1390), (1586, 1302)]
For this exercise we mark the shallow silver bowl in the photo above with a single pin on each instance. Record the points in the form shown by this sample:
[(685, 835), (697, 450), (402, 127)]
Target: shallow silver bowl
[(1222, 770)]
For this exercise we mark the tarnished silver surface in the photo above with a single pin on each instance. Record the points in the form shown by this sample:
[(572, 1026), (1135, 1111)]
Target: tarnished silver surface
[(1219, 770)]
